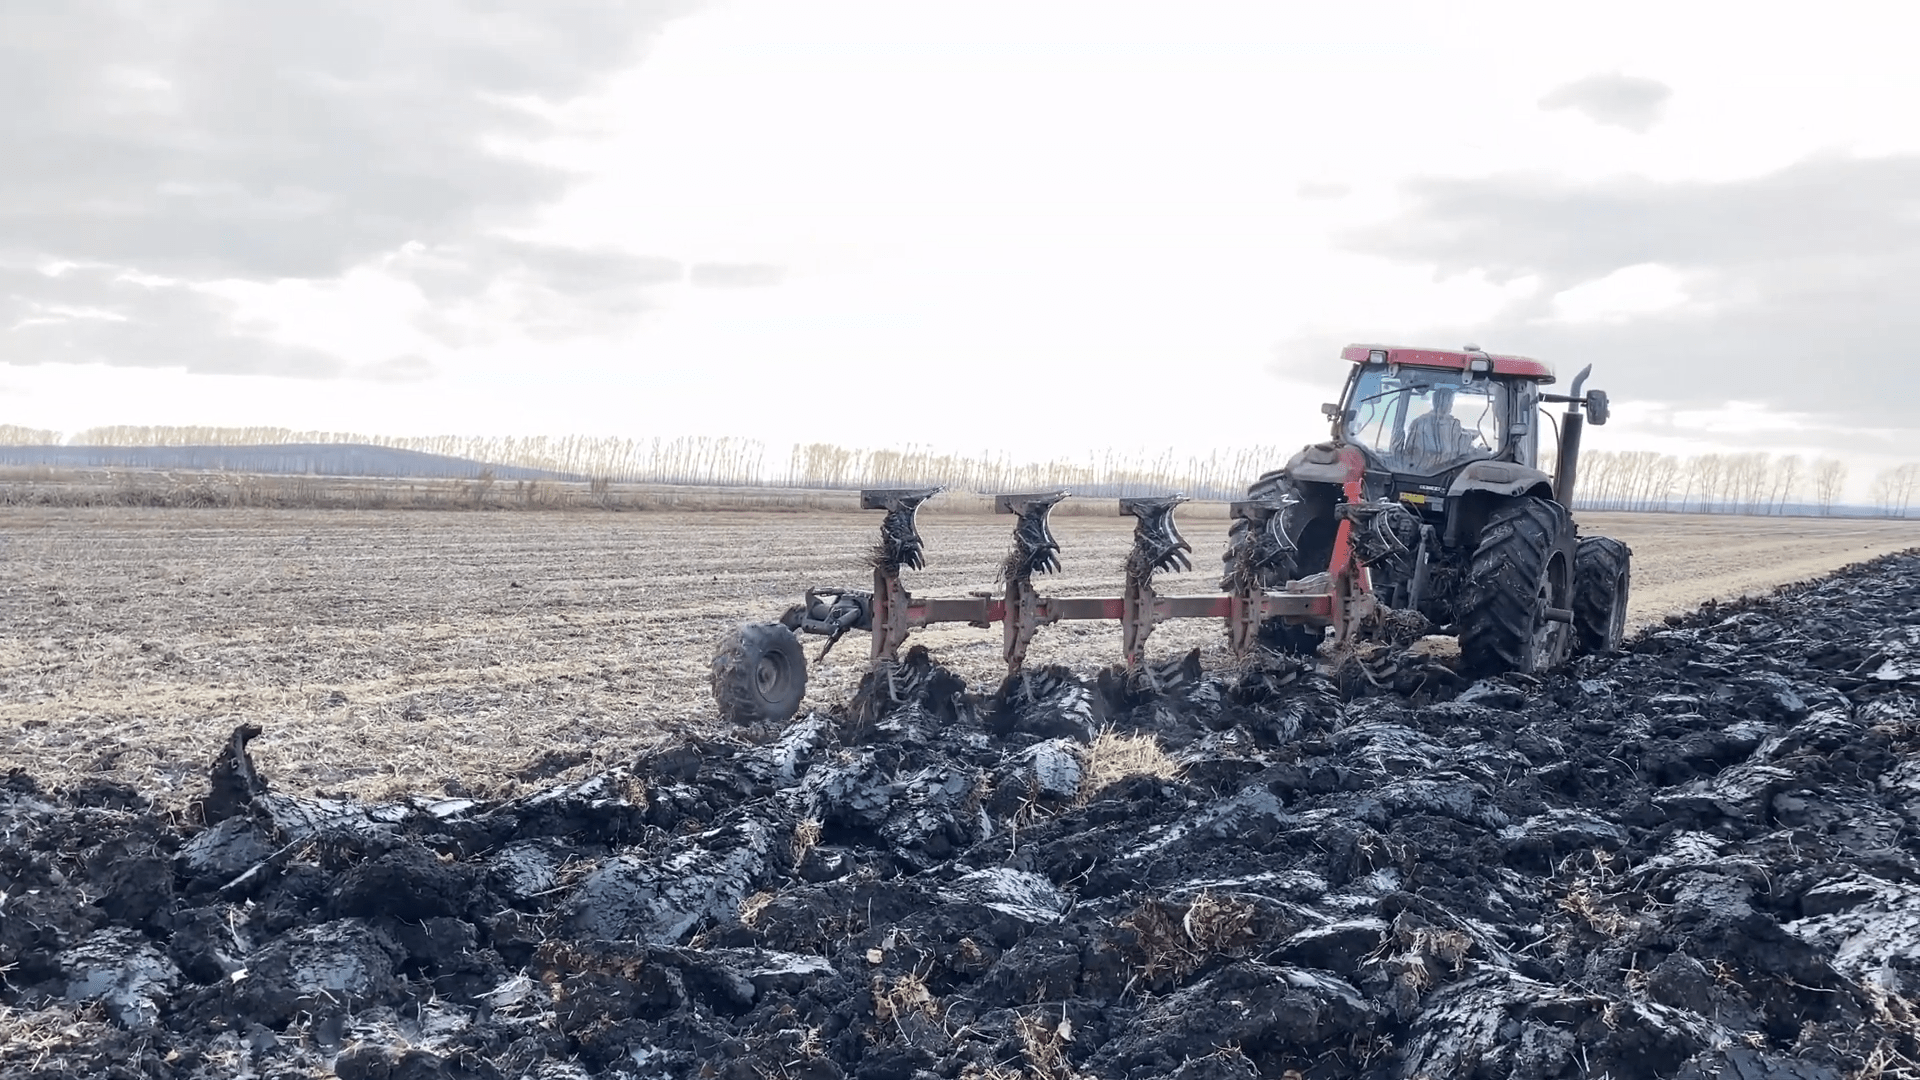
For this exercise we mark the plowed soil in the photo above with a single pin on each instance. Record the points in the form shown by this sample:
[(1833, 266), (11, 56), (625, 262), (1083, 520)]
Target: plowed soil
[(1692, 859), (403, 651)]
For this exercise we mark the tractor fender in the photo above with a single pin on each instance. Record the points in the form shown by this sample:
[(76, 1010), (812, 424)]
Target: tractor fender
[(1321, 463), (1501, 478)]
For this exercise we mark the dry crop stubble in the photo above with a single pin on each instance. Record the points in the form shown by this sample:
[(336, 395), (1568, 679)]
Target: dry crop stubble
[(389, 651)]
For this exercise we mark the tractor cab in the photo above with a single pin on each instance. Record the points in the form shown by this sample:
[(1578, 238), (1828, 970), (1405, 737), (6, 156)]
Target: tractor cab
[(1421, 415)]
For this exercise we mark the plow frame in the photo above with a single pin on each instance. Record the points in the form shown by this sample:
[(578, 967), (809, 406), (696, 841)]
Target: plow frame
[(1344, 601)]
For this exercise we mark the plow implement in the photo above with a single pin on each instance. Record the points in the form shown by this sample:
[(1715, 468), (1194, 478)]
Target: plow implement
[(759, 671)]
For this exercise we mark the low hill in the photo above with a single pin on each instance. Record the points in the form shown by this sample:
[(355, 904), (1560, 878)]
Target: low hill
[(303, 459)]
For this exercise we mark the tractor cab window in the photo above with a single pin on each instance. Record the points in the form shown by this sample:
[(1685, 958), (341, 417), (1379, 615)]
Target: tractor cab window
[(1425, 421)]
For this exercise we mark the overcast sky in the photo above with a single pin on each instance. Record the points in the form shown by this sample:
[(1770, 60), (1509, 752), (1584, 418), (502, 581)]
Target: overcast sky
[(1032, 227)]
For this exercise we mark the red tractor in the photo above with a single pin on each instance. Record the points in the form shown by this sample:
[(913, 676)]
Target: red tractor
[(1428, 498), (1454, 518)]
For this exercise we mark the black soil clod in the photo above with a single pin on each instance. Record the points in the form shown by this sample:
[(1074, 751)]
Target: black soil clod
[(233, 782)]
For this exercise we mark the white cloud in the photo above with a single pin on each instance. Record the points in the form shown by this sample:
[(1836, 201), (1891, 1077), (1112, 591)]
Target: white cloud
[(1643, 289)]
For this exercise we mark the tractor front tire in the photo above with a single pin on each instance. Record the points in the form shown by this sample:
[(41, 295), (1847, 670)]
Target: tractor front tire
[(1520, 569), (1602, 579), (759, 675), (1311, 557), (1242, 533)]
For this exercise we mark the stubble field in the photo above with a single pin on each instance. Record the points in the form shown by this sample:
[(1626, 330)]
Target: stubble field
[(407, 651)]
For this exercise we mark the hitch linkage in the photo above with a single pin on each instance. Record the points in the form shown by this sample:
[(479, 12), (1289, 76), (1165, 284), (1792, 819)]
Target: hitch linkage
[(831, 612)]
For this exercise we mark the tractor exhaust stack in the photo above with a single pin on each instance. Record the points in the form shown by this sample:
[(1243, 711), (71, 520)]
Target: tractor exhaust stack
[(1566, 469)]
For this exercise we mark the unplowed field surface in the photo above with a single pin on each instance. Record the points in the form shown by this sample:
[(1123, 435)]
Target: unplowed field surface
[(406, 650)]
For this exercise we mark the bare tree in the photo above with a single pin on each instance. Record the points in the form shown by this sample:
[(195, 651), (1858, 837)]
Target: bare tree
[(1633, 475), (1597, 472), (1754, 467), (16, 435), (1893, 489), (1880, 492), (1787, 475), (1691, 476), (1666, 475), (1644, 478), (1829, 479), (1705, 473)]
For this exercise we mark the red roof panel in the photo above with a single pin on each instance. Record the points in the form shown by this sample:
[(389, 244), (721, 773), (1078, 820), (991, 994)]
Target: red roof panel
[(1455, 359)]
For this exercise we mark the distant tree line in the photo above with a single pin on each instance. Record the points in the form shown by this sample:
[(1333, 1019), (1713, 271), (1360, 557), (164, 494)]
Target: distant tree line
[(1105, 473), (1747, 483), (737, 462), (1744, 483)]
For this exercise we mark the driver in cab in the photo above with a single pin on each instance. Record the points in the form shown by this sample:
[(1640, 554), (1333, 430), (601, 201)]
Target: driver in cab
[(1436, 439)]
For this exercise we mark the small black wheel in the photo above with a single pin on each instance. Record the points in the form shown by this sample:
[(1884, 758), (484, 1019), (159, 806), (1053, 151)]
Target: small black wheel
[(1277, 635), (759, 675), (1602, 580)]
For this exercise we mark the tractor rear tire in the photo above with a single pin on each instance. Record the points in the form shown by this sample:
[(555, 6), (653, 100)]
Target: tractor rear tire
[(1602, 579), (1521, 568), (759, 675)]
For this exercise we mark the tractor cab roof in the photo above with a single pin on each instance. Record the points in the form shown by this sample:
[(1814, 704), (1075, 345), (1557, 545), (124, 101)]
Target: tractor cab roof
[(1452, 359)]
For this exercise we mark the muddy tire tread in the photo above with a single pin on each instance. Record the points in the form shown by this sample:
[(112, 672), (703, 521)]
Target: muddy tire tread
[(1274, 635), (1496, 616), (735, 685), (1598, 563)]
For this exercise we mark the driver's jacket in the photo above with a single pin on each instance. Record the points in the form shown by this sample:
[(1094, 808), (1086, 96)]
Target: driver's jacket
[(1436, 440)]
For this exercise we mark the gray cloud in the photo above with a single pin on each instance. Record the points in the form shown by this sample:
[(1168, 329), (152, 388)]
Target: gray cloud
[(538, 288), (264, 139), (736, 275), (1800, 284), (1844, 209), (480, 285), (1623, 101), (95, 314)]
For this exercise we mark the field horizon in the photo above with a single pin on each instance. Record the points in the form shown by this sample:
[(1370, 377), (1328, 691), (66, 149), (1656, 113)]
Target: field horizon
[(1753, 482), (191, 488)]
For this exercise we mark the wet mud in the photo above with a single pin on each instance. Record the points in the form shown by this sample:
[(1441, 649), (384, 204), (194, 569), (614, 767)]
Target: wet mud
[(1696, 858)]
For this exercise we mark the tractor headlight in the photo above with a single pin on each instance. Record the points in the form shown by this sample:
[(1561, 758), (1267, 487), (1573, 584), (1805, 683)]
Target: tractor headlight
[(1480, 363), (1377, 356)]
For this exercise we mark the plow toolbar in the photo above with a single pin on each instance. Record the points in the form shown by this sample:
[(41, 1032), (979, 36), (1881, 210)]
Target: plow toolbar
[(1341, 598)]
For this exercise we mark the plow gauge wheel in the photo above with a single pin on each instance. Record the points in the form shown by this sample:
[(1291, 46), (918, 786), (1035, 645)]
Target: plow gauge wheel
[(759, 675)]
